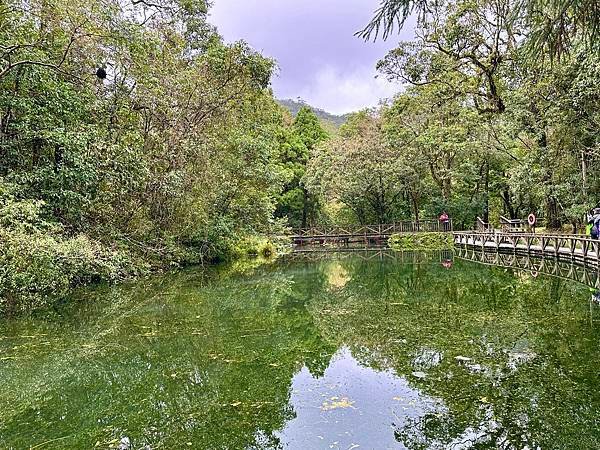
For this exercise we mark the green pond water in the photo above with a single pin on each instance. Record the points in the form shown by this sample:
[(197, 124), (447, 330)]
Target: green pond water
[(342, 353)]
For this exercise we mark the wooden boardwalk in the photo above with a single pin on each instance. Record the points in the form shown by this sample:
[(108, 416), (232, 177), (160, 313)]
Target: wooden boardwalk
[(579, 248), (369, 235)]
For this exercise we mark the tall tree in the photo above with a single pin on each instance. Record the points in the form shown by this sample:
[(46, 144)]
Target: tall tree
[(296, 203)]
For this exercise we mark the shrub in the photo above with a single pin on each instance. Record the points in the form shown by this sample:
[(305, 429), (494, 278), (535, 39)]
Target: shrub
[(421, 241)]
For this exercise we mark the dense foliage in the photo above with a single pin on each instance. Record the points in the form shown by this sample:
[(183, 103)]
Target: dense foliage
[(132, 137), (295, 202), (485, 126)]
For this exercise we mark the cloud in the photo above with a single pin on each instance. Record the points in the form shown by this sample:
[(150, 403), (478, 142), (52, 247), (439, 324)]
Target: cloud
[(339, 92), (314, 45)]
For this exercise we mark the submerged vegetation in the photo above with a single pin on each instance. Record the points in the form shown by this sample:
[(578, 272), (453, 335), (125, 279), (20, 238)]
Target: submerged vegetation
[(297, 354)]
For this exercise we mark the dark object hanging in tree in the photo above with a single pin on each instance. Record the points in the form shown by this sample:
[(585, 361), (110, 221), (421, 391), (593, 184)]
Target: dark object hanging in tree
[(101, 73)]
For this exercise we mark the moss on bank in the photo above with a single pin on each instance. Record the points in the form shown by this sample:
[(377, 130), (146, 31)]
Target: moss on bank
[(421, 241)]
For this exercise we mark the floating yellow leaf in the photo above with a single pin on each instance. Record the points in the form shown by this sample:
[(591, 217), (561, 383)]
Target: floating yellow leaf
[(344, 402)]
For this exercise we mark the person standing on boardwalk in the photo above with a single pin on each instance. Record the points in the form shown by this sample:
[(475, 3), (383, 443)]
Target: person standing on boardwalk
[(595, 222), (445, 221)]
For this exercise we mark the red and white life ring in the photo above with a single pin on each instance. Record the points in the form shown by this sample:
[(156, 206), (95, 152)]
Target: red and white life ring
[(531, 219)]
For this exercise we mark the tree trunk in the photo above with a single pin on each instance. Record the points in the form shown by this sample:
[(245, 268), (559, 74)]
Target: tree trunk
[(415, 203), (508, 206), (304, 208), (552, 220), (486, 193)]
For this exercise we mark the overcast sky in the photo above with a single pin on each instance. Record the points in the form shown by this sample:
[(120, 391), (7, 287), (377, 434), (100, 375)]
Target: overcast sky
[(320, 59)]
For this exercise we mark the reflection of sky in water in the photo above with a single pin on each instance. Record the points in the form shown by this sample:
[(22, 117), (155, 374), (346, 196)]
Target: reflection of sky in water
[(351, 406)]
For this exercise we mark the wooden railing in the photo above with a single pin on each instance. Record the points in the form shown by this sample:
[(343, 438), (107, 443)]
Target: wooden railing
[(513, 225), (574, 247), (373, 230), (482, 226)]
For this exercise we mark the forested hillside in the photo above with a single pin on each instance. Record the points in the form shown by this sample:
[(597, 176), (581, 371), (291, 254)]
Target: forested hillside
[(294, 106)]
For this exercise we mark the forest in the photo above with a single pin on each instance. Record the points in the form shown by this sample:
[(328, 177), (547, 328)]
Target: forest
[(133, 138)]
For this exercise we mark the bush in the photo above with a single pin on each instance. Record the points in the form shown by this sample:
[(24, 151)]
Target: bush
[(37, 266), (254, 246), (38, 262), (421, 241)]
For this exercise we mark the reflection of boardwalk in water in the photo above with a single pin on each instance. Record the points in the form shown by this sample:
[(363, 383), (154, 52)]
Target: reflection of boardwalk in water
[(535, 265), (409, 257)]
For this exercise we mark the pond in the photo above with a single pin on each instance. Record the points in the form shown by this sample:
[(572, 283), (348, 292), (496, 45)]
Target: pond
[(346, 352)]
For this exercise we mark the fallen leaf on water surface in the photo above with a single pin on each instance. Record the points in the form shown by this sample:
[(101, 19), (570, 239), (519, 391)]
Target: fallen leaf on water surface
[(236, 404), (484, 400), (261, 404), (344, 402), (399, 399)]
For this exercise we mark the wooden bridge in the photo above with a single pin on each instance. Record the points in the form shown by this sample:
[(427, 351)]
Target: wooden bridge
[(576, 248), (369, 235)]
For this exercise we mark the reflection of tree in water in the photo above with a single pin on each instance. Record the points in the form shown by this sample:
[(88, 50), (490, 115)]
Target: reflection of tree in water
[(523, 345), (180, 361)]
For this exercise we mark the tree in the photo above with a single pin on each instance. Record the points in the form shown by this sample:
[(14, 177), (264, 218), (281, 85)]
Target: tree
[(298, 143), (170, 158), (554, 27), (361, 170)]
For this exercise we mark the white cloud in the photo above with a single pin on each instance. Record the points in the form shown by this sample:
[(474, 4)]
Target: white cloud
[(339, 92)]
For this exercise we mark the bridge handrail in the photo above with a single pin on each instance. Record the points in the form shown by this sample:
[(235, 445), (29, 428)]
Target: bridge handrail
[(574, 246), (482, 225), (426, 225), (528, 234)]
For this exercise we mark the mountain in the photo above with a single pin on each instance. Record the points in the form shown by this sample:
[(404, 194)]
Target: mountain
[(293, 106)]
